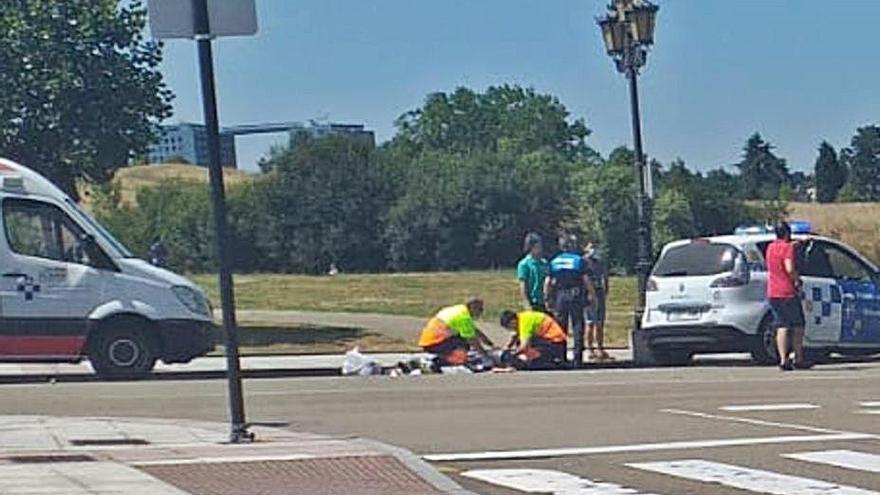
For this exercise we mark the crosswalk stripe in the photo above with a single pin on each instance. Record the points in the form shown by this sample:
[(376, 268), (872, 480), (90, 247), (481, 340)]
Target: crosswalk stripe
[(500, 455), (848, 459), (546, 481), (768, 407), (870, 404), (754, 480)]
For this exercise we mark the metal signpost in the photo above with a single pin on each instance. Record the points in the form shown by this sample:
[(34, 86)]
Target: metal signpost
[(203, 20)]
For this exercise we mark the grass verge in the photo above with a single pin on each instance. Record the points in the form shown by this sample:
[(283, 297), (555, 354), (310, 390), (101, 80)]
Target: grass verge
[(410, 294)]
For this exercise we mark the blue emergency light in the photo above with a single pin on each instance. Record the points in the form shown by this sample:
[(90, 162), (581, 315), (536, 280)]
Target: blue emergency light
[(797, 227), (800, 227)]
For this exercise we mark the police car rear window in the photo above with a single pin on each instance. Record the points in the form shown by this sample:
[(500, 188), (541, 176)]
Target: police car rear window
[(696, 259)]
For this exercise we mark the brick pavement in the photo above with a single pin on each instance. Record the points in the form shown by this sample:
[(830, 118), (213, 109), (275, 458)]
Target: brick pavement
[(41, 455)]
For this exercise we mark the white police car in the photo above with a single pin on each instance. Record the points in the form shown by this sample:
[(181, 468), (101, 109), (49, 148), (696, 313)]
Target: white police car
[(708, 295)]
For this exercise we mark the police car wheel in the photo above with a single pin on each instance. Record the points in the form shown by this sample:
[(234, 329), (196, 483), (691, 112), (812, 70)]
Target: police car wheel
[(764, 348), (122, 352)]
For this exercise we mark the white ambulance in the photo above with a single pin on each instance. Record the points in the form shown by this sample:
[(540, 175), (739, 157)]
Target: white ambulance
[(708, 295), (69, 290)]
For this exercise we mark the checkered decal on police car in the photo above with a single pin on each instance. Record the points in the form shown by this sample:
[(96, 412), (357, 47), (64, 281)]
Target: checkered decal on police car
[(822, 301)]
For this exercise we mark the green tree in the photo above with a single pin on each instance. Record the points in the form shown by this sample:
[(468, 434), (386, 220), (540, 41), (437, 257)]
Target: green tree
[(606, 208), (82, 91), (178, 213), (830, 174), (673, 217), (863, 160), (762, 173), (715, 205), (323, 200), (504, 118), (471, 210)]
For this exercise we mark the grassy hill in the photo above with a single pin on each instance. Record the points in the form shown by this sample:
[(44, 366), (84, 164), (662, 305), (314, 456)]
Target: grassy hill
[(130, 180), (857, 224)]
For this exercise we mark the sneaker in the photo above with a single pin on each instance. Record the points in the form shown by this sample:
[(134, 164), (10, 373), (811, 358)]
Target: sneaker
[(786, 367), (804, 365)]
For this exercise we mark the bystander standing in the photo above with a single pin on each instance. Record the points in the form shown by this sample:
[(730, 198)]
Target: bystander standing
[(595, 312), (531, 272), (783, 290)]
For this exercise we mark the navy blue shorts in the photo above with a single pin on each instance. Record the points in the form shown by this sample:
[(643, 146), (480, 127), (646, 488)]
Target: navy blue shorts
[(788, 312)]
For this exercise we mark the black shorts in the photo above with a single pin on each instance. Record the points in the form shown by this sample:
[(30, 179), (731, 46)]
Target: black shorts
[(788, 312)]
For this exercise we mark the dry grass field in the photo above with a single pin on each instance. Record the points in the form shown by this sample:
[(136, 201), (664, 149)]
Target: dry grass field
[(856, 224), (130, 180)]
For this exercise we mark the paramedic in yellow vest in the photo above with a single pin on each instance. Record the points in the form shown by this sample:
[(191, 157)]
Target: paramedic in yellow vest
[(452, 332), (538, 340)]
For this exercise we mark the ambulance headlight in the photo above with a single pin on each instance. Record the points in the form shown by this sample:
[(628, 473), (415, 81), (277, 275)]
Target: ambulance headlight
[(192, 299)]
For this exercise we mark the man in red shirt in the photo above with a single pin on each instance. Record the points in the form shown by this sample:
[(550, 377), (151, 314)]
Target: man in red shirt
[(783, 290)]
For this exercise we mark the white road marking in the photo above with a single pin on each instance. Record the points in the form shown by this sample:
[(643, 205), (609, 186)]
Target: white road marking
[(749, 479), (768, 407), (751, 421), (870, 404), (869, 411), (642, 447), (221, 460), (546, 481), (848, 459)]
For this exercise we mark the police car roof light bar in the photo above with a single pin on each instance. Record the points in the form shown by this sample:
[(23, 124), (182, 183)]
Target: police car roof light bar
[(797, 227)]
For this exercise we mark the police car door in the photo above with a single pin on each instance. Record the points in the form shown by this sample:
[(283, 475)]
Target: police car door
[(822, 296), (47, 289), (858, 284)]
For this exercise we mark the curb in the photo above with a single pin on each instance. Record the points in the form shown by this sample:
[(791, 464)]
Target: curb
[(419, 466), (169, 375), (221, 374)]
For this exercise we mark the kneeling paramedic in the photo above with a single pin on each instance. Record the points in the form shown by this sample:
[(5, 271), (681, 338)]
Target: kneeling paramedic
[(452, 332), (539, 342)]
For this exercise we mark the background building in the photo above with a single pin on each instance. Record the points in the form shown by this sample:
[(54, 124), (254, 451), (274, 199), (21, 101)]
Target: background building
[(187, 141)]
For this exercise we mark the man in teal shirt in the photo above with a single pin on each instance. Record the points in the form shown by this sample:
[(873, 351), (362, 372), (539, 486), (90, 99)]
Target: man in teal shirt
[(531, 272)]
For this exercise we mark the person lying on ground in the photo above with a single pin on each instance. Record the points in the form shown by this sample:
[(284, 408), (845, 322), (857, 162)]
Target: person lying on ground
[(538, 341), (452, 332)]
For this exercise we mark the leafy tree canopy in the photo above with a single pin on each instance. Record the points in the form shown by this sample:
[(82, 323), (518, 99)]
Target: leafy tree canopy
[(863, 159), (762, 173), (81, 87), (830, 174), (504, 118)]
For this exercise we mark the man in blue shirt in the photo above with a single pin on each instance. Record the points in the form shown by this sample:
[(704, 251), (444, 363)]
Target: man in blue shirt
[(569, 290), (531, 272)]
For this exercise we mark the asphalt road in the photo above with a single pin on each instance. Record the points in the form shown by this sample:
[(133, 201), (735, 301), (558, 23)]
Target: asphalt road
[(660, 431)]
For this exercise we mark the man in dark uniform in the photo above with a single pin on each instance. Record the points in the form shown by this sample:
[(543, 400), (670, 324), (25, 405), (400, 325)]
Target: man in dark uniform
[(569, 290)]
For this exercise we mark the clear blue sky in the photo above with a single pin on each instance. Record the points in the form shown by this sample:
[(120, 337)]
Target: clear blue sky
[(797, 71)]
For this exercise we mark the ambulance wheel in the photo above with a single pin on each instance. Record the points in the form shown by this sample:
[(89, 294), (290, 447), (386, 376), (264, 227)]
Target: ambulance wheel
[(122, 348), (764, 348)]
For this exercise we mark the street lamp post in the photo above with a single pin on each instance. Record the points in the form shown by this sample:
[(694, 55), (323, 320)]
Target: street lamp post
[(628, 31)]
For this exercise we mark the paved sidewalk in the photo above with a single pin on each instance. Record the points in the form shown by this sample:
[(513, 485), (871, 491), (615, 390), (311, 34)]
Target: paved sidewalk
[(42, 455)]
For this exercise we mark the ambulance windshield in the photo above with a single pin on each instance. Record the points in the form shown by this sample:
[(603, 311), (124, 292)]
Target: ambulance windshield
[(117, 246)]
